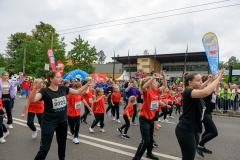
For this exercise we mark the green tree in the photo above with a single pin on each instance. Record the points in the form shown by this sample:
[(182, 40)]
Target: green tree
[(102, 57), (232, 60), (109, 63), (226, 78), (145, 52), (36, 45), (83, 55), (223, 65), (3, 61)]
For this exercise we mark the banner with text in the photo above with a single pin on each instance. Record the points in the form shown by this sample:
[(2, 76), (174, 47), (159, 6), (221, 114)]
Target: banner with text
[(51, 59), (210, 43)]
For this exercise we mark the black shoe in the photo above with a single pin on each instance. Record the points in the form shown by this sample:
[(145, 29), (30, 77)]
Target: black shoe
[(155, 144), (199, 151), (205, 150), (125, 136), (119, 130), (85, 122), (151, 156), (81, 120)]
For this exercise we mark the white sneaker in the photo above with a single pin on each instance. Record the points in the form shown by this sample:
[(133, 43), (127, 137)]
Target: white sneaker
[(114, 119), (34, 134), (10, 126), (75, 140), (91, 130), (20, 96), (98, 124), (171, 117), (159, 125), (159, 120), (102, 130), (5, 134), (165, 120), (2, 140), (118, 121)]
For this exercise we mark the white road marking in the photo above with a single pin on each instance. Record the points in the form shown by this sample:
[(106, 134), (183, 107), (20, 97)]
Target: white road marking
[(113, 143), (92, 144)]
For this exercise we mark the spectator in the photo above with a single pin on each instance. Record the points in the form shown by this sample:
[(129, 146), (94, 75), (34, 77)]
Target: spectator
[(143, 74), (225, 95), (152, 72)]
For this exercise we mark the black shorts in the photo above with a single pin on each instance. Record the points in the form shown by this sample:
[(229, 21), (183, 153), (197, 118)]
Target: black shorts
[(139, 99), (156, 116)]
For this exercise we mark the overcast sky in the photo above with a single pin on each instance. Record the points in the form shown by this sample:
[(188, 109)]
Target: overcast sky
[(168, 35)]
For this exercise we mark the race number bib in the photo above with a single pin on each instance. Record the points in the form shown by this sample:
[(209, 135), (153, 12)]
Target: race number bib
[(154, 105), (166, 102), (141, 96), (179, 98), (59, 102), (77, 105), (214, 97), (90, 100)]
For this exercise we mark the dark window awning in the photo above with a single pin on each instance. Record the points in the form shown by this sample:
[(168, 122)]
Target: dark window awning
[(167, 58)]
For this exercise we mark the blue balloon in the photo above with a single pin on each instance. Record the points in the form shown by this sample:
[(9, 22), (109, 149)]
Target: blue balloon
[(76, 74)]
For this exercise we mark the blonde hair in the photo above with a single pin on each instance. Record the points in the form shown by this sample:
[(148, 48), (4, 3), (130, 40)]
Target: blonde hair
[(143, 81), (97, 90), (132, 99), (172, 92), (36, 81), (5, 72), (77, 85)]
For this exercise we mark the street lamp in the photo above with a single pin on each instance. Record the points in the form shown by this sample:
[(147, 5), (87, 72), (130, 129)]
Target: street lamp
[(52, 34)]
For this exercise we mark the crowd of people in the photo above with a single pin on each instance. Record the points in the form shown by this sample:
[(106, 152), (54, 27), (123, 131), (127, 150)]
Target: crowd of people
[(57, 104)]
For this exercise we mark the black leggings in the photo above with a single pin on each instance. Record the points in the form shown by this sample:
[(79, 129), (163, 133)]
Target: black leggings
[(47, 132), (115, 109), (74, 125), (210, 129), (146, 129), (134, 112), (86, 112), (109, 106), (99, 117), (178, 108), (170, 110), (127, 125), (188, 142), (30, 120), (2, 126), (6, 101), (164, 113)]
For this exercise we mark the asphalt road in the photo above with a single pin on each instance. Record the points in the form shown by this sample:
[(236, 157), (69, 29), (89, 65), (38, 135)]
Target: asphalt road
[(110, 145)]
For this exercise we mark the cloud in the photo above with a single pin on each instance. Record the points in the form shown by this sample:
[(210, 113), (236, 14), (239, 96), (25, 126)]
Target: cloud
[(168, 35)]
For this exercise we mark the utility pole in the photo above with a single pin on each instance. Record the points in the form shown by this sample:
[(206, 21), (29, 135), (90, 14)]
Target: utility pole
[(24, 60)]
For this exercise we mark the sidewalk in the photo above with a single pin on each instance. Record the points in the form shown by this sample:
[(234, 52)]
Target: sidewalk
[(228, 114)]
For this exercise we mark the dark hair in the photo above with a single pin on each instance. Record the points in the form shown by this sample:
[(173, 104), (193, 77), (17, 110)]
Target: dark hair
[(65, 82), (189, 77), (50, 74), (204, 78)]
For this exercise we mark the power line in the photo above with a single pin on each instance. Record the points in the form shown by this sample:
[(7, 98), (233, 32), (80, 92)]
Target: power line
[(152, 18), (144, 15)]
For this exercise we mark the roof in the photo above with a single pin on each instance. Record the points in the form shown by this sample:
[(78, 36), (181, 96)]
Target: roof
[(167, 58)]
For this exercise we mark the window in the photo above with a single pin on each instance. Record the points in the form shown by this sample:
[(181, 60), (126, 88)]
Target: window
[(132, 69), (146, 66), (144, 60), (197, 67)]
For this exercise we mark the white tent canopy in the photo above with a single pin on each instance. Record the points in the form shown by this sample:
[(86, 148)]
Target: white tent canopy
[(125, 76)]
